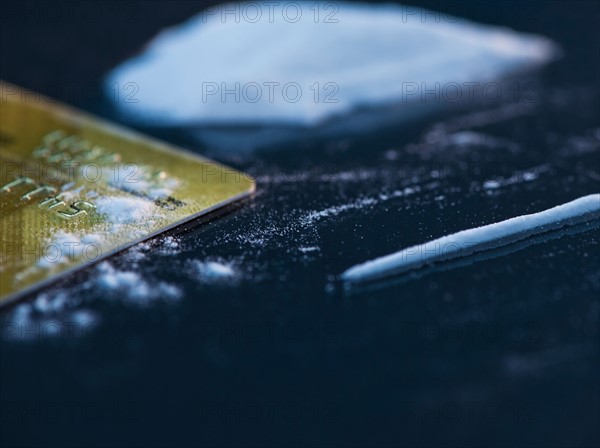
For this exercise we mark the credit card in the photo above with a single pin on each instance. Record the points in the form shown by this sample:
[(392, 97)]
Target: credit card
[(75, 189)]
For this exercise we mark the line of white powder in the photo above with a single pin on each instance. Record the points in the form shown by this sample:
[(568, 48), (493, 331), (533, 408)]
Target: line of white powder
[(477, 239)]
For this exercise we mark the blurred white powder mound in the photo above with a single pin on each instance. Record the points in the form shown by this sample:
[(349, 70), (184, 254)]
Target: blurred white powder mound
[(132, 287), (220, 68), (62, 313), (213, 271)]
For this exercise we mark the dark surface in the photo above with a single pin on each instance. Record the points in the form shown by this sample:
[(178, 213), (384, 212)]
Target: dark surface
[(495, 352)]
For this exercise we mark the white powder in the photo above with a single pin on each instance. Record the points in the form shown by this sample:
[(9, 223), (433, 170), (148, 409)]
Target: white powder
[(315, 216), (112, 279), (306, 250), (212, 271), (65, 247), (477, 239), (518, 177), (126, 210), (368, 56), (49, 317), (131, 286), (60, 314), (169, 245), (491, 184)]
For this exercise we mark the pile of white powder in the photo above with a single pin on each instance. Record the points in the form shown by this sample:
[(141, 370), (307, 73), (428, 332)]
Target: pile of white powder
[(218, 70)]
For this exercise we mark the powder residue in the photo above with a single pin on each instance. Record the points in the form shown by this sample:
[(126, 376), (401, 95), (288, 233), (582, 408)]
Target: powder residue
[(213, 271), (126, 210), (131, 286)]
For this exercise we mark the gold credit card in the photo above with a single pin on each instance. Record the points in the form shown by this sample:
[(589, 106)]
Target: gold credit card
[(75, 189)]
